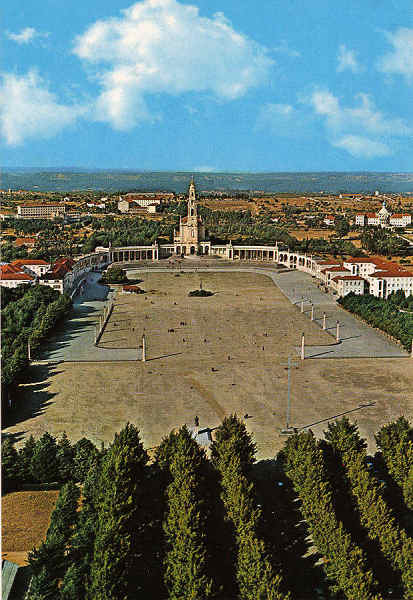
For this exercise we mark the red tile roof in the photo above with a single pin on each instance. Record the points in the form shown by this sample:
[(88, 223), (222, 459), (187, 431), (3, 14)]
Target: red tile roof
[(11, 273), (334, 269), (399, 215), (374, 260), (391, 273), (24, 241), (29, 261), (60, 268)]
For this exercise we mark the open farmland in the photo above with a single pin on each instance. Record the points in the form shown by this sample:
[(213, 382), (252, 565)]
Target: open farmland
[(25, 519)]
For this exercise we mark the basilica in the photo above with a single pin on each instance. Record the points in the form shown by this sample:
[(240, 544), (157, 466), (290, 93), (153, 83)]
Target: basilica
[(190, 239)]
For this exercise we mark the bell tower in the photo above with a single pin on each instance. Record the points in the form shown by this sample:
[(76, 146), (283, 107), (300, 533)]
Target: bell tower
[(192, 209)]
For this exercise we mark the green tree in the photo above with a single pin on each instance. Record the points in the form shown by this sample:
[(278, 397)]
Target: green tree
[(342, 227), (65, 456), (25, 460), (10, 467), (64, 516), (232, 428), (232, 455), (116, 570), (395, 441), (344, 562), (85, 457), (186, 562), (43, 586), (44, 463), (375, 515)]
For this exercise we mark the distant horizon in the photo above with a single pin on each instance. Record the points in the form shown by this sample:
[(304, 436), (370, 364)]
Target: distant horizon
[(207, 172)]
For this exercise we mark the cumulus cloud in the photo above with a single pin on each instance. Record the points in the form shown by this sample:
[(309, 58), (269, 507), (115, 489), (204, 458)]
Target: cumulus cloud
[(359, 129), (359, 146), (364, 116), (28, 109), (26, 35), (162, 46), (400, 59), (347, 60)]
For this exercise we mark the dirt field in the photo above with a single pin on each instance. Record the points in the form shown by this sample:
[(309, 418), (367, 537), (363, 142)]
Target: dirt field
[(229, 356), (25, 520)]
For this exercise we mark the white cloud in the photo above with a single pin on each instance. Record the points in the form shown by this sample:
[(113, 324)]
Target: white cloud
[(26, 35), (347, 60), (284, 48), (162, 46), (28, 109), (362, 117), (400, 59), (205, 169), (362, 147), (361, 130)]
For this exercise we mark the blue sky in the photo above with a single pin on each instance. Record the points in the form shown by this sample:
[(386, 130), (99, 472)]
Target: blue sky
[(228, 85)]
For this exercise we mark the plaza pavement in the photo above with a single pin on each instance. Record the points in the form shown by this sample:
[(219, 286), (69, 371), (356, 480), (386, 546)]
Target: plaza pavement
[(357, 340), (75, 341)]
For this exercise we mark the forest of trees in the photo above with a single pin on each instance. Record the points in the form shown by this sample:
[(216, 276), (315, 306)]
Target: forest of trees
[(29, 313), (322, 520), (394, 315), (381, 241)]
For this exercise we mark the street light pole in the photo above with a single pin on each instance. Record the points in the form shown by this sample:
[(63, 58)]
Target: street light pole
[(288, 429)]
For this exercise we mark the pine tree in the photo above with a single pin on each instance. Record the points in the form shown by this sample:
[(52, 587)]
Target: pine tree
[(64, 516), (116, 570), (25, 460), (10, 465), (232, 428), (186, 561), (85, 457), (43, 587), (375, 515), (77, 577), (232, 455), (344, 562), (44, 465), (65, 456), (395, 441), (72, 587)]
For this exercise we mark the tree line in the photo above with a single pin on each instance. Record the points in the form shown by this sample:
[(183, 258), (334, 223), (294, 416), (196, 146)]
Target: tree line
[(388, 315), (28, 315), (187, 525)]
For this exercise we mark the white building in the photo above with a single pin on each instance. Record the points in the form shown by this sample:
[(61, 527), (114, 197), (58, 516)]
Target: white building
[(36, 267), (344, 284), (40, 210), (12, 277), (384, 283), (383, 218), (400, 220)]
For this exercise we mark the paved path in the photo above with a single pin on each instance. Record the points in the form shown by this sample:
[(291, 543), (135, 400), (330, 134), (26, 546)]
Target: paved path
[(358, 340), (75, 341)]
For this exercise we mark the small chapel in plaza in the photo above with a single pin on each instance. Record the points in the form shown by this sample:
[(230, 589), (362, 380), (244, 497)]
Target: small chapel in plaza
[(190, 239)]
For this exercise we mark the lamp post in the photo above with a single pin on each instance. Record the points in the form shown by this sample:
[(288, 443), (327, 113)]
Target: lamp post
[(288, 429)]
